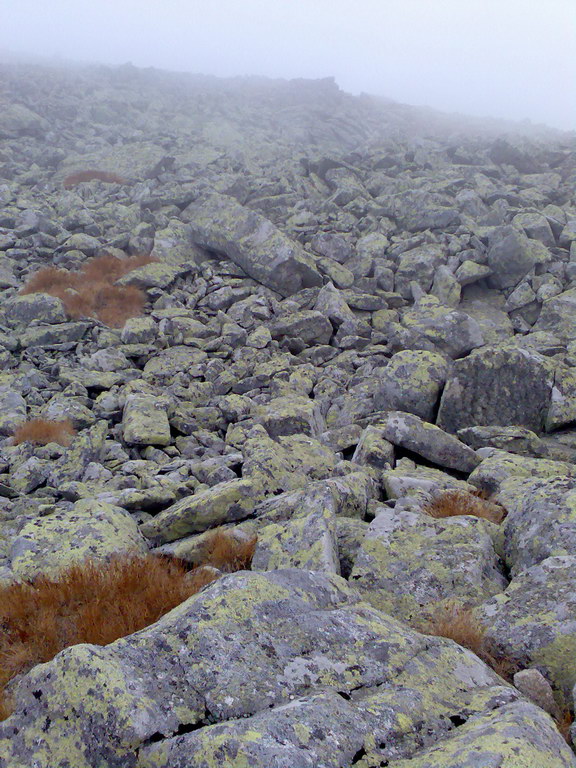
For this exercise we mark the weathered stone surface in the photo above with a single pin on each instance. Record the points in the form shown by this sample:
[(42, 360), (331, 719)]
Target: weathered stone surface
[(452, 332), (533, 622), (251, 241), (309, 326), (223, 503), (145, 421), (541, 519), (290, 415), (427, 440), (412, 382), (20, 311), (89, 530), (495, 385), (512, 256), (264, 624), (559, 315), (410, 565), (499, 466)]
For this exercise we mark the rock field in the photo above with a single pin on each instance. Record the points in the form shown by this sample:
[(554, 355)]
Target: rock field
[(353, 307)]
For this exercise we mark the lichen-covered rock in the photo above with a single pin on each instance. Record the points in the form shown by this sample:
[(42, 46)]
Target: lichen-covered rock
[(511, 439), (518, 735), (145, 421), (285, 464), (12, 411), (541, 519), (410, 565), (452, 332), (498, 466), (307, 540), (512, 255), (290, 415), (412, 382), (168, 363), (427, 440), (559, 315), (288, 637), (497, 385), (533, 622), (224, 502), (89, 530), (407, 479), (20, 311), (250, 240), (87, 447), (309, 326)]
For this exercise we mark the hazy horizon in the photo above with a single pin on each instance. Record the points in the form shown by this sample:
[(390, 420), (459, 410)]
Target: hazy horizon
[(513, 60)]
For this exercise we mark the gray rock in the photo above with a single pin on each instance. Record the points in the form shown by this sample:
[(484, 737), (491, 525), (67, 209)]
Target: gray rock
[(251, 241), (497, 385), (428, 441)]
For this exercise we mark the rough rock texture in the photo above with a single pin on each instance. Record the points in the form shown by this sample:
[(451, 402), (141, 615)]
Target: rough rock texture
[(353, 306)]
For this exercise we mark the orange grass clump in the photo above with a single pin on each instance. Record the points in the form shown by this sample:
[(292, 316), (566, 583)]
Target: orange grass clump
[(224, 551), (454, 502), (88, 603), (458, 623), (91, 291), (76, 178), (44, 431), (563, 723), (95, 602)]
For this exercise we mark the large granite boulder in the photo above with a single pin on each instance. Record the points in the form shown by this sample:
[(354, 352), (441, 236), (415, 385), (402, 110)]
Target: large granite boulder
[(221, 224)]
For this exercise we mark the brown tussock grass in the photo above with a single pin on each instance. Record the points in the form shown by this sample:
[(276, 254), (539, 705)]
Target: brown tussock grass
[(455, 502), (91, 292), (90, 175), (459, 623), (95, 602), (44, 431), (563, 723), (224, 551)]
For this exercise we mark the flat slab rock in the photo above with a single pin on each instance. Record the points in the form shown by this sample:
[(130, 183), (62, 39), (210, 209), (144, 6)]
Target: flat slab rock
[(285, 668)]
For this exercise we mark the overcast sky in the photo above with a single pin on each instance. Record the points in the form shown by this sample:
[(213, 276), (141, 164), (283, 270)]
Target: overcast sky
[(506, 58)]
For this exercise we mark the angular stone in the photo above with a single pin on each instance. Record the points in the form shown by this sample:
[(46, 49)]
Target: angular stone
[(225, 502), (497, 385), (289, 416), (412, 382), (219, 223), (533, 622), (256, 650), (428, 441), (410, 565), (145, 421), (90, 530)]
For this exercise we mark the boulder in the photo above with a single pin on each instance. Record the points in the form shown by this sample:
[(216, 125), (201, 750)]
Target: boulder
[(221, 224)]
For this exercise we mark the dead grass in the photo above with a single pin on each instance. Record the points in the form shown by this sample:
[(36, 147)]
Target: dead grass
[(224, 551), (563, 723), (458, 623), (90, 175), (91, 292), (44, 431), (97, 602), (454, 502)]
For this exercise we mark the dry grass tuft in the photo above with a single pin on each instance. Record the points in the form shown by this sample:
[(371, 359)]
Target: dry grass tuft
[(563, 724), (43, 431), (454, 502), (76, 178), (458, 623), (97, 602), (91, 291), (224, 551)]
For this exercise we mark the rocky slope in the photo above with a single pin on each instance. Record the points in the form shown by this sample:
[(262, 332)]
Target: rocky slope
[(354, 306)]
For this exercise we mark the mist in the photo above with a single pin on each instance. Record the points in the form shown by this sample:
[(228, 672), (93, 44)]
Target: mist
[(514, 59)]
